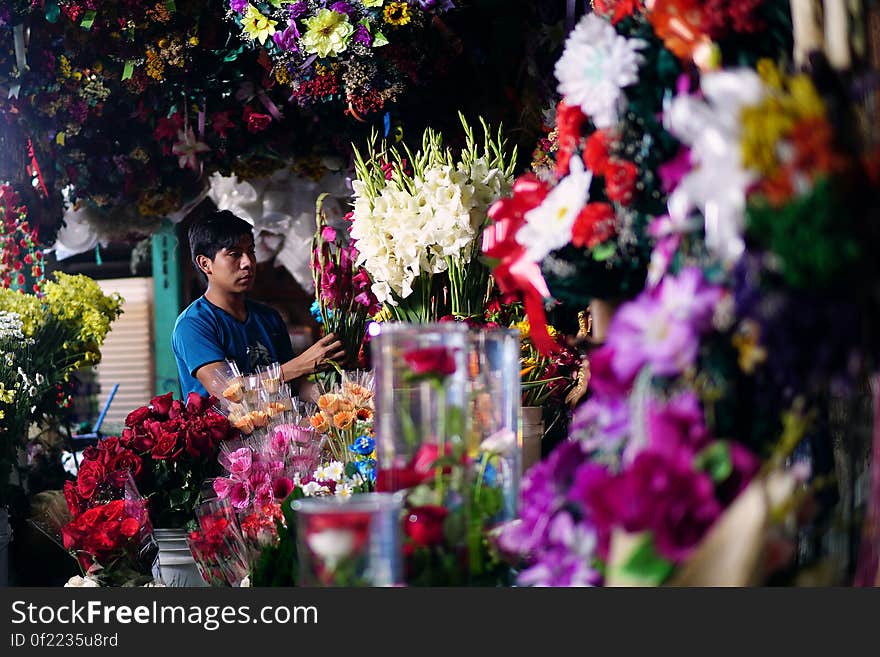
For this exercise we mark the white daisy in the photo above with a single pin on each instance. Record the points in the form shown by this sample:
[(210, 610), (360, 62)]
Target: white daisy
[(595, 66), (548, 226), (335, 470), (313, 488), (344, 490)]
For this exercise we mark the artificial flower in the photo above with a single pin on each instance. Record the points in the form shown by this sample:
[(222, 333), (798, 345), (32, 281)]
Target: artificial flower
[(327, 33), (188, 148), (595, 67), (257, 26)]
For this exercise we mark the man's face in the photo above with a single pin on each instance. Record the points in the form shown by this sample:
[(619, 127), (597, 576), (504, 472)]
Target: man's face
[(233, 269)]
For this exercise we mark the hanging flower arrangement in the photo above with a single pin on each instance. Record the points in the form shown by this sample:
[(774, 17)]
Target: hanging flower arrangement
[(358, 56)]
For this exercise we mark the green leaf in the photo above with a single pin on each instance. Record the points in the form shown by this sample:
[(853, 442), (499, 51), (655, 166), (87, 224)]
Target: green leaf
[(715, 459), (646, 565), (603, 251), (88, 19), (379, 40), (128, 70)]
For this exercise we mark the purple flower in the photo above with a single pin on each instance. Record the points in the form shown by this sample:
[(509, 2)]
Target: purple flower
[(667, 496), (437, 5), (602, 423), (238, 6), (641, 333), (286, 40), (745, 466), (297, 9), (677, 425), (603, 380), (688, 298), (343, 8), (362, 35)]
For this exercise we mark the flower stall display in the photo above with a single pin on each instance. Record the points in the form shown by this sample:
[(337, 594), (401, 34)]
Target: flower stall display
[(716, 381), (356, 56), (418, 218), (46, 337), (583, 235)]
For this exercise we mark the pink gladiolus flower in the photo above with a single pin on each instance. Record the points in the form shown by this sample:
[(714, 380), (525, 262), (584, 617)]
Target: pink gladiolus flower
[(328, 233)]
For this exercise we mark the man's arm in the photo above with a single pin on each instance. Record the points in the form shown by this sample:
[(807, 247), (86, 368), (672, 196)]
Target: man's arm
[(210, 376)]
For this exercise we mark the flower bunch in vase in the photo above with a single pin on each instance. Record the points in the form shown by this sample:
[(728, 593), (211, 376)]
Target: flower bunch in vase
[(418, 219), (218, 545), (343, 295), (176, 445), (423, 440)]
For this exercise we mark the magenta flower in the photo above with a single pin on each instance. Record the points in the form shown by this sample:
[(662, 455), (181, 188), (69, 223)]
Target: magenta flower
[(222, 486), (677, 425), (362, 35), (240, 495), (602, 423), (238, 6), (286, 40), (239, 461), (688, 298), (328, 233), (281, 488)]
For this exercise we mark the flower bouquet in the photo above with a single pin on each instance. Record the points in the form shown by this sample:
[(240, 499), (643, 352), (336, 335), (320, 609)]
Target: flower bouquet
[(418, 218), (343, 296), (584, 235), (175, 446), (344, 414), (108, 533)]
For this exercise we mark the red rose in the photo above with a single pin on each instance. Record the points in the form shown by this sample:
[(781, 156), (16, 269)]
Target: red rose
[(91, 453), (424, 524), (137, 416), (196, 404), (74, 502), (391, 480), (430, 361), (176, 410), (129, 527), (620, 180), (91, 475), (597, 151), (142, 440), (128, 461), (162, 404), (593, 225), (256, 122), (616, 10), (166, 446)]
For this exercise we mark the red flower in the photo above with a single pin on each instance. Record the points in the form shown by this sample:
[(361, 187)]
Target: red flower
[(166, 446), (127, 460), (221, 123), (620, 180), (391, 480), (196, 404), (569, 121), (616, 10), (597, 151), (424, 524), (430, 361), (162, 405), (91, 474), (593, 225), (256, 122), (75, 503)]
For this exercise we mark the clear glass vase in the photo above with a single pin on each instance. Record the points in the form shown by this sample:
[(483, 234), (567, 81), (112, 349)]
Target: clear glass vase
[(495, 436), (421, 379)]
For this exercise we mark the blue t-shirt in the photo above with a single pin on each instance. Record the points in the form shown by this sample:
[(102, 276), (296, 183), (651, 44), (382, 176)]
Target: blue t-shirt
[(204, 333)]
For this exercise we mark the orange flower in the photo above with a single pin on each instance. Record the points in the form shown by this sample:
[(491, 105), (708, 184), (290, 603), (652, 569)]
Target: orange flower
[(319, 422), (364, 414), (345, 406), (329, 403), (343, 420)]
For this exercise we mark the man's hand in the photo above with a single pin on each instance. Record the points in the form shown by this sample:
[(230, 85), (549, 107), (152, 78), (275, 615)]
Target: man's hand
[(314, 359)]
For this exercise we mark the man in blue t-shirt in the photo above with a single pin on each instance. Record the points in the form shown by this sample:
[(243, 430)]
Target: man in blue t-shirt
[(224, 325)]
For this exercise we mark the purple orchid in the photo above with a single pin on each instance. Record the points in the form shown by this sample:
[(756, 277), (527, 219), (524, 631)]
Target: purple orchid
[(343, 8), (362, 35), (238, 6), (298, 9), (286, 40)]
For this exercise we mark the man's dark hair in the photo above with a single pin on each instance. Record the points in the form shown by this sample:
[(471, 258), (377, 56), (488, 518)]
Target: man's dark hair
[(219, 230)]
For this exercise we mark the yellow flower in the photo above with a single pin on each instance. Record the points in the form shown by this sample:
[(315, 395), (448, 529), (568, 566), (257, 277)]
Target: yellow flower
[(327, 33), (257, 26), (397, 14), (6, 396)]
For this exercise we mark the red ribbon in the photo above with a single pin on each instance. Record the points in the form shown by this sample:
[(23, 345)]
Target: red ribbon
[(515, 273), (34, 167)]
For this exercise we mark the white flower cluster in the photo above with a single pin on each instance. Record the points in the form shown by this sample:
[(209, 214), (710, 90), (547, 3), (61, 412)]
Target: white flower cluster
[(411, 226), (324, 474), (10, 326)]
